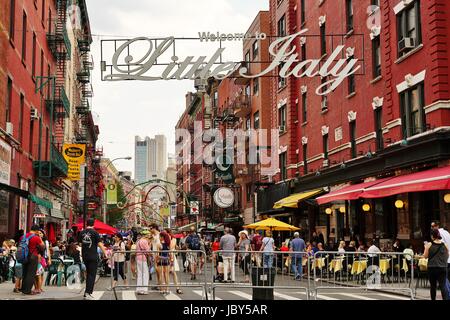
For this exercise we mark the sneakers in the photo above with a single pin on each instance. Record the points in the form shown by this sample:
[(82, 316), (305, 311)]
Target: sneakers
[(88, 296)]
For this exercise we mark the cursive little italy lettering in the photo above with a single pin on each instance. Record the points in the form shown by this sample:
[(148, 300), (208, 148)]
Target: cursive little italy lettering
[(285, 60)]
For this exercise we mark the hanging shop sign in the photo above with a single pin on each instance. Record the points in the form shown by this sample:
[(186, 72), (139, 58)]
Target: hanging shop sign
[(111, 193), (195, 207), (5, 162), (149, 59), (75, 155), (224, 198)]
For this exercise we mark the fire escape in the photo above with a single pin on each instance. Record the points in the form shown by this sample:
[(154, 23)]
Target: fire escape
[(57, 102)]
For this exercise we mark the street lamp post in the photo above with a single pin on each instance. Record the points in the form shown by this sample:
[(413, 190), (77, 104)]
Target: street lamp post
[(105, 204)]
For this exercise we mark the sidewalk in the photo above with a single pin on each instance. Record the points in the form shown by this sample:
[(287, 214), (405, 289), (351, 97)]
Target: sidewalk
[(50, 293)]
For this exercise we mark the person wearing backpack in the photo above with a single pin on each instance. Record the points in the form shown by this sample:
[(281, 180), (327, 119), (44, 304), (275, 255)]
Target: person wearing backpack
[(28, 251), (193, 243), (437, 254)]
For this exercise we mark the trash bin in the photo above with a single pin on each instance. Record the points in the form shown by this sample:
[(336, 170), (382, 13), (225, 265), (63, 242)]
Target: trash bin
[(263, 277)]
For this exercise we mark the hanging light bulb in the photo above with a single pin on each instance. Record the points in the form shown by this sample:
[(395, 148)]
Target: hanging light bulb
[(447, 198), (328, 211), (342, 209), (399, 204), (366, 207)]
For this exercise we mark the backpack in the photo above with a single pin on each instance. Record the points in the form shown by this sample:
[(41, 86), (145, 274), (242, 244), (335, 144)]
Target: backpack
[(195, 243), (23, 250), (258, 243)]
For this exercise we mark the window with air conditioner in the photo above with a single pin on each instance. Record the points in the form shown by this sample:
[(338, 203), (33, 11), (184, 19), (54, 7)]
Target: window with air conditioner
[(409, 28)]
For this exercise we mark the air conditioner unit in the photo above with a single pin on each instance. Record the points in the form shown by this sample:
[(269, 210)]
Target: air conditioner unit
[(326, 163), (34, 114), (9, 128), (406, 44)]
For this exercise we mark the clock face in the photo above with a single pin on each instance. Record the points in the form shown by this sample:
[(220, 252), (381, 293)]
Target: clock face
[(224, 198)]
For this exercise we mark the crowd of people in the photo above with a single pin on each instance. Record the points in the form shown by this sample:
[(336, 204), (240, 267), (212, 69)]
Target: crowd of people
[(158, 253)]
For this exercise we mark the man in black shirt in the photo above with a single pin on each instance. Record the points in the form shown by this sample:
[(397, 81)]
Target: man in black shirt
[(90, 240)]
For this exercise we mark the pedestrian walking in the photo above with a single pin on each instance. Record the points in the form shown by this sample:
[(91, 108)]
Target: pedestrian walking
[(437, 254), (174, 265), (298, 247), (228, 245), (193, 244), (183, 247), (119, 258), (90, 240), (163, 261), (142, 257), (436, 225), (256, 247), (268, 247), (154, 230), (245, 259), (35, 247)]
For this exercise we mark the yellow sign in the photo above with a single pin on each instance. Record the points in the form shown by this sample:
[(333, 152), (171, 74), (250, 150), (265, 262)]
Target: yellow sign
[(75, 155)]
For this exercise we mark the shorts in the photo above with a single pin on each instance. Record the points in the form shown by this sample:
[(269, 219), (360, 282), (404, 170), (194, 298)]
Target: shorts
[(193, 257), (40, 270), (18, 270)]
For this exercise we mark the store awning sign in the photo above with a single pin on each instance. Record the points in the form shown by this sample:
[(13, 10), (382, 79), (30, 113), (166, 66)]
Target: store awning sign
[(75, 155), (5, 162)]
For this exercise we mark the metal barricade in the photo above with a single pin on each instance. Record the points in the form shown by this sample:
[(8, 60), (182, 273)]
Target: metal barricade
[(260, 270), (384, 271), (160, 271)]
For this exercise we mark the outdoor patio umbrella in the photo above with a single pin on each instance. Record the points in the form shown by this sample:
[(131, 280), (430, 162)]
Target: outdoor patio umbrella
[(272, 224), (100, 227)]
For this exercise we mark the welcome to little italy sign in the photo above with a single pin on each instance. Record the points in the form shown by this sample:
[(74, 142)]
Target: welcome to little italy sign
[(335, 67)]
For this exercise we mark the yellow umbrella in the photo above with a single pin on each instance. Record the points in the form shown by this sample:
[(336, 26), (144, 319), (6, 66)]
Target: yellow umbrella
[(272, 224)]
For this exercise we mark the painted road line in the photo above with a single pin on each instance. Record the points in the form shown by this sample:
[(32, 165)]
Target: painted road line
[(201, 294), (172, 296), (355, 296), (392, 296), (129, 295), (321, 296), (242, 294), (285, 296)]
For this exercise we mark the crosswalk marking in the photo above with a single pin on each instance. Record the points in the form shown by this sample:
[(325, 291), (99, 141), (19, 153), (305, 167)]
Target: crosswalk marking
[(284, 296), (129, 295), (321, 296), (356, 296), (202, 294), (172, 296), (392, 296), (98, 294), (242, 294)]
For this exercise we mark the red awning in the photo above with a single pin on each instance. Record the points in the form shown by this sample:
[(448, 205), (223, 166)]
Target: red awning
[(352, 192), (430, 180), (100, 227)]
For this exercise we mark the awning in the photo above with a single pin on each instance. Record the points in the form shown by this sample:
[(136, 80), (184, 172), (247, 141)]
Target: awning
[(352, 192), (292, 201), (56, 213), (40, 212), (41, 202), (430, 180), (17, 191)]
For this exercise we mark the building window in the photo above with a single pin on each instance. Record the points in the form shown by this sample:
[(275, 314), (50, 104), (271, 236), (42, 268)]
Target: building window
[(376, 57), (281, 80), (248, 123), (282, 118), (325, 146), (31, 147), (283, 166), (24, 37), (409, 28), (349, 14), (256, 120), (216, 99), (412, 110), (47, 143), (282, 27), (305, 159), (255, 49), (12, 20), (351, 84), (353, 138), (379, 128), (21, 111), (9, 91), (302, 12), (323, 40), (33, 62), (324, 97), (256, 86), (49, 20), (248, 189), (304, 107)]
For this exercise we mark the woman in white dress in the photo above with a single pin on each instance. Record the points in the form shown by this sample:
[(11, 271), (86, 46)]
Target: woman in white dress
[(174, 266)]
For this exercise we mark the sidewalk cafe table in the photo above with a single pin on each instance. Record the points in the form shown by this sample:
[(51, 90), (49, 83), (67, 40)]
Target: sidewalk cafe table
[(336, 265), (359, 266), (384, 265)]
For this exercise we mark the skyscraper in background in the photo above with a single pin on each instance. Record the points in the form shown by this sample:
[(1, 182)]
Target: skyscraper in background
[(150, 158)]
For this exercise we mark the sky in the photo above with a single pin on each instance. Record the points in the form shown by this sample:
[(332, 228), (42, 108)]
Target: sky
[(126, 109)]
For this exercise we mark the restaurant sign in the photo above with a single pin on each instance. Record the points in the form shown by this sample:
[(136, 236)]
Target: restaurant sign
[(75, 155)]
